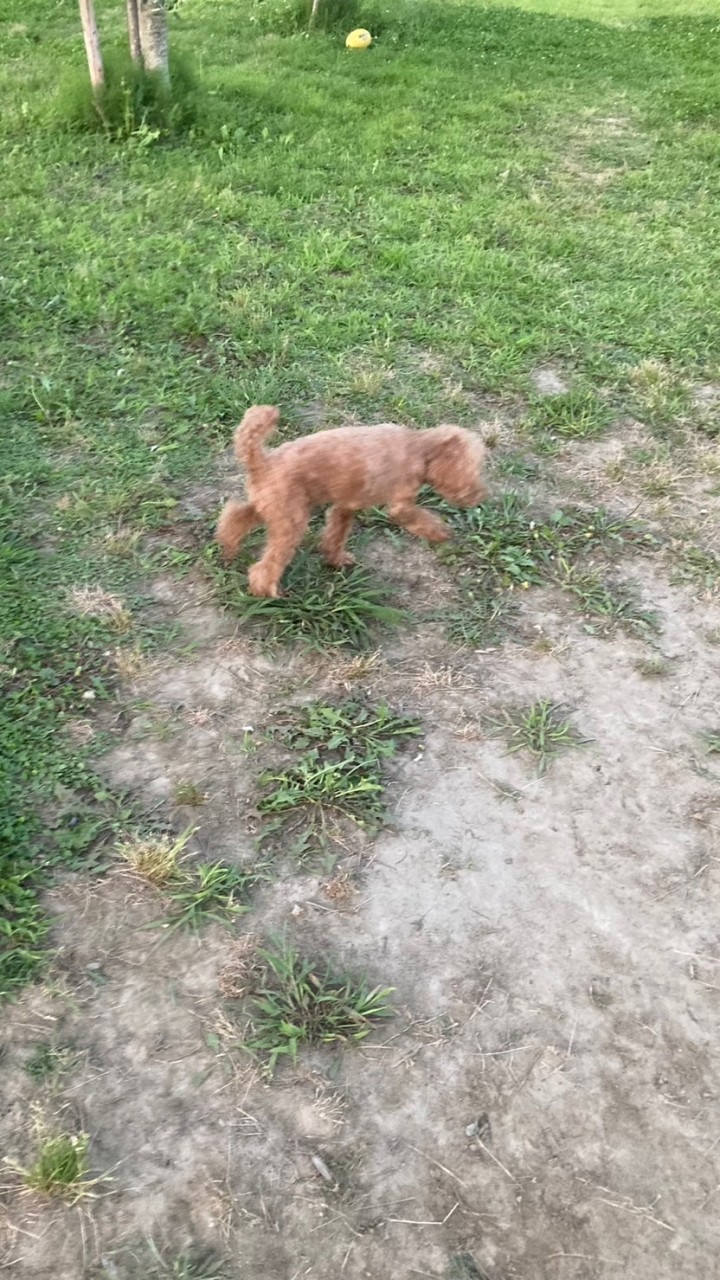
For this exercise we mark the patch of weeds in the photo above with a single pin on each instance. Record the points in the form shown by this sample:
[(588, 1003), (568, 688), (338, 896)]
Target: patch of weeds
[(323, 607), (188, 793), (478, 616), (336, 771), (571, 415), (611, 605), (509, 539), (711, 739), (302, 1002), (155, 857), (213, 891), (505, 544), (185, 1266), (47, 1061), (133, 104), (653, 668), (662, 396), (695, 565), (542, 729), (517, 466), (60, 1169)]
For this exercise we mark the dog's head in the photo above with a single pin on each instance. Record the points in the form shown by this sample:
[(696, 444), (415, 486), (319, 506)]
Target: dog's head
[(455, 465)]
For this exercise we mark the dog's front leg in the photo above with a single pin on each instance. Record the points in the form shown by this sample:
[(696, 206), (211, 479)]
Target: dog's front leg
[(285, 534), (422, 523)]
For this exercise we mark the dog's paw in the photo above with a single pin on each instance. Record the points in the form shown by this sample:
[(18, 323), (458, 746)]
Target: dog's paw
[(260, 585), (342, 561)]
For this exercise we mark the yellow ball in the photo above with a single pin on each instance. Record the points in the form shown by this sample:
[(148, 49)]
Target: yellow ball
[(360, 39)]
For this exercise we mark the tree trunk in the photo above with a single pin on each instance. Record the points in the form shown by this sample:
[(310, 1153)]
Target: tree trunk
[(133, 21), (92, 45), (314, 12), (154, 36)]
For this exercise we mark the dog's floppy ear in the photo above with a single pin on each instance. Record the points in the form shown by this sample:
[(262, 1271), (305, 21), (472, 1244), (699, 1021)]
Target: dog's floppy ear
[(454, 462)]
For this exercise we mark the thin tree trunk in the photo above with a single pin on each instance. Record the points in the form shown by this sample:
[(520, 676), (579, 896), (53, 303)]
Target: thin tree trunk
[(92, 45), (133, 21), (314, 12), (154, 36)]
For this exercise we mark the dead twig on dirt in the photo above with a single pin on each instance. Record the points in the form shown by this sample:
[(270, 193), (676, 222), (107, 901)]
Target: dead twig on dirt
[(411, 1222), (437, 1164), (495, 1160)]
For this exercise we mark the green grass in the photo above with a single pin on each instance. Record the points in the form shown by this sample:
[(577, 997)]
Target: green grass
[(393, 234), (607, 606), (542, 729), (302, 1002), (572, 415), (333, 770), (211, 892), (321, 608), (508, 543), (60, 1169), (48, 1061)]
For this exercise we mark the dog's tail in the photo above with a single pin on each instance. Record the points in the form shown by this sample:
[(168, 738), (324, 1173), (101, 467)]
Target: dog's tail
[(248, 441)]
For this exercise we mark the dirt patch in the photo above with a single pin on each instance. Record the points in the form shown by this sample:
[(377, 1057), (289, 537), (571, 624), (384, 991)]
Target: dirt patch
[(542, 1101)]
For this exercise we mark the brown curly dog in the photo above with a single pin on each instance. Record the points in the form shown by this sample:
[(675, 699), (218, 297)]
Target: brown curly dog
[(350, 468)]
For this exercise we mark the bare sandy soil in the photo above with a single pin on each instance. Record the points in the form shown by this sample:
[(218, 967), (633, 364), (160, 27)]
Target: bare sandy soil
[(545, 1103)]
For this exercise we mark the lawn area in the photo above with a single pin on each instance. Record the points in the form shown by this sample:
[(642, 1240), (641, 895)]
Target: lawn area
[(476, 788)]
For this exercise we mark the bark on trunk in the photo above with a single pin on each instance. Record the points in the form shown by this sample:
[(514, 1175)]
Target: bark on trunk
[(133, 21), (154, 36), (92, 45)]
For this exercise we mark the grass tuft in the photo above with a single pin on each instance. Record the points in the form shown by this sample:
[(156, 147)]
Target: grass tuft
[(60, 1169), (571, 415), (133, 104), (607, 606), (304, 1003), (335, 772), (322, 608), (155, 857), (214, 892), (541, 729)]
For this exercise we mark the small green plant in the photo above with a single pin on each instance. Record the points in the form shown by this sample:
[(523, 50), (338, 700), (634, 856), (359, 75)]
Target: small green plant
[(212, 892), (188, 793), (323, 607), (47, 1061), (695, 565), (60, 1169), (185, 1266), (607, 607), (662, 396), (653, 668), (477, 617), (712, 742), (572, 415), (541, 729), (336, 770), (303, 1002), (155, 857)]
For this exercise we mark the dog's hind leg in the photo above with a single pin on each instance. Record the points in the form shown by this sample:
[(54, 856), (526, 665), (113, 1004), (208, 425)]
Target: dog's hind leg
[(237, 520), (337, 527)]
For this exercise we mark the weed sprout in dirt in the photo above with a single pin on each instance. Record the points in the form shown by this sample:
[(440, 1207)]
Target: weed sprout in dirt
[(334, 770), (303, 1002)]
